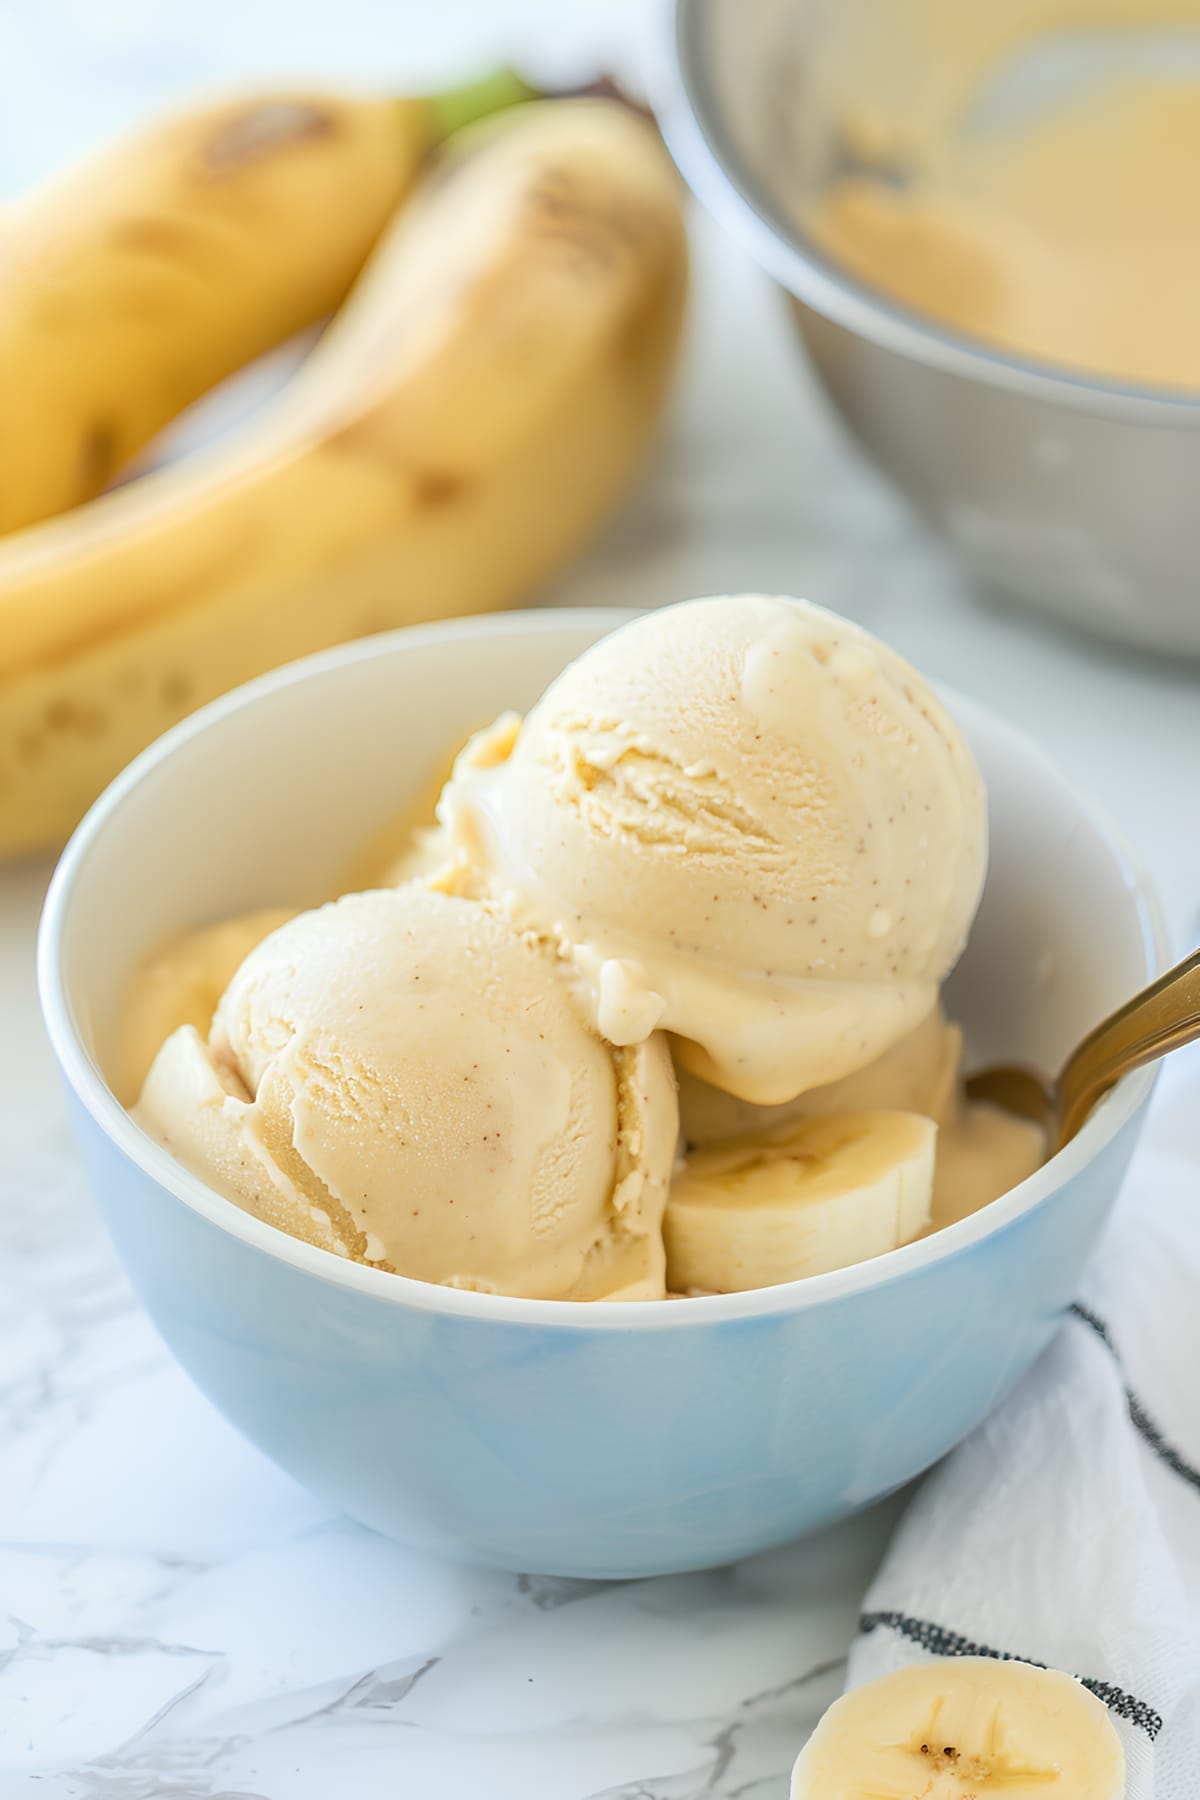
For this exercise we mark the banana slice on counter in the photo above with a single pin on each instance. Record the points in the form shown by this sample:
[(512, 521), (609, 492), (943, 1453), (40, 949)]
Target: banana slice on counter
[(960, 1728), (799, 1199)]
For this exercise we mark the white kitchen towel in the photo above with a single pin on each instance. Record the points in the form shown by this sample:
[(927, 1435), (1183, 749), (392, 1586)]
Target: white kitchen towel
[(1066, 1530)]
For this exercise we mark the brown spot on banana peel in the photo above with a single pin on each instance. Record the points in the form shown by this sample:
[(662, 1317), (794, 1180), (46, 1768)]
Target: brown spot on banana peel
[(173, 240), (434, 489), (153, 234), (65, 716), (557, 198), (651, 338), (580, 245), (99, 458), (260, 131), (427, 489), (600, 232)]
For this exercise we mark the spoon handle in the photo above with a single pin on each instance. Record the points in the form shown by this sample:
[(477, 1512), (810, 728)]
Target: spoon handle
[(1163, 1017)]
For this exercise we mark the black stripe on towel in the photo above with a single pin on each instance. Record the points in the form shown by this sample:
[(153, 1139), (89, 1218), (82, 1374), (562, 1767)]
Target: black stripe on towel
[(940, 1642), (1142, 1423)]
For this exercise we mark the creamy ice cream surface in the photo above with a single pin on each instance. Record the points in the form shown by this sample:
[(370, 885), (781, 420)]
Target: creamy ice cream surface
[(399, 1077), (749, 823), (982, 1153), (921, 1073)]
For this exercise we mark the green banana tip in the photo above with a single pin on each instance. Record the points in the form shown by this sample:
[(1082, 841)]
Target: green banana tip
[(458, 107)]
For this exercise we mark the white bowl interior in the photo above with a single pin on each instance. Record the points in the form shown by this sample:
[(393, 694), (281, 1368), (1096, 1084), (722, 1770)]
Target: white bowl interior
[(268, 796)]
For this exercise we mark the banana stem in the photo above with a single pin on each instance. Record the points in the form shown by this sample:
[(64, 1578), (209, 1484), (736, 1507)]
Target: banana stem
[(458, 107), (605, 87)]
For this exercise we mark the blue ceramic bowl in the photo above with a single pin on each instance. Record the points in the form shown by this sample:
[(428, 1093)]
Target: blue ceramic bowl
[(597, 1440)]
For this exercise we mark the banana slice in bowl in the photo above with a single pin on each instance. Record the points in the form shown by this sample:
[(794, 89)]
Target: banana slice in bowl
[(960, 1728), (800, 1199)]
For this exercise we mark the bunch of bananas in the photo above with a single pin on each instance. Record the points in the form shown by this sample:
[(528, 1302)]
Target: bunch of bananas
[(510, 293)]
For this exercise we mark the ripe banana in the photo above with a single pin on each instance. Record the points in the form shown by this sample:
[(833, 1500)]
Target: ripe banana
[(799, 1200), (141, 278), (960, 1728), (469, 417)]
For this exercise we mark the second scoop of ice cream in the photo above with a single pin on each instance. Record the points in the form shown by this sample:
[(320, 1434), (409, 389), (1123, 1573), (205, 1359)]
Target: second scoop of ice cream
[(753, 825), (400, 1077)]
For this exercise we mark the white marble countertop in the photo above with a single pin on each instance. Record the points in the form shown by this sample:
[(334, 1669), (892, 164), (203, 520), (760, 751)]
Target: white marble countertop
[(177, 1618)]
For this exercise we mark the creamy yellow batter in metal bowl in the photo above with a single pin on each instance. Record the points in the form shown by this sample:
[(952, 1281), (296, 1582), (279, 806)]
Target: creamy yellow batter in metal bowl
[(1027, 174)]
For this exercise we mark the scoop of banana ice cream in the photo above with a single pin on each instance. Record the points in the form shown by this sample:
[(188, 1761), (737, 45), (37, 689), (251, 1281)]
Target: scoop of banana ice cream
[(749, 823), (400, 1077)]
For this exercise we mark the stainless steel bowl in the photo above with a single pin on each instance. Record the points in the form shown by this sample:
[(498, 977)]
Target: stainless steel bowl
[(1077, 496)]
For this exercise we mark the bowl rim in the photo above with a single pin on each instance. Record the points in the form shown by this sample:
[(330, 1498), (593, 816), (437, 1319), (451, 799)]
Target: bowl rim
[(89, 1088), (687, 108)]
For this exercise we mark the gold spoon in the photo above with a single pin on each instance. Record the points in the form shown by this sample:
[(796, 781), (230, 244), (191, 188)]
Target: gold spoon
[(1163, 1017)]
